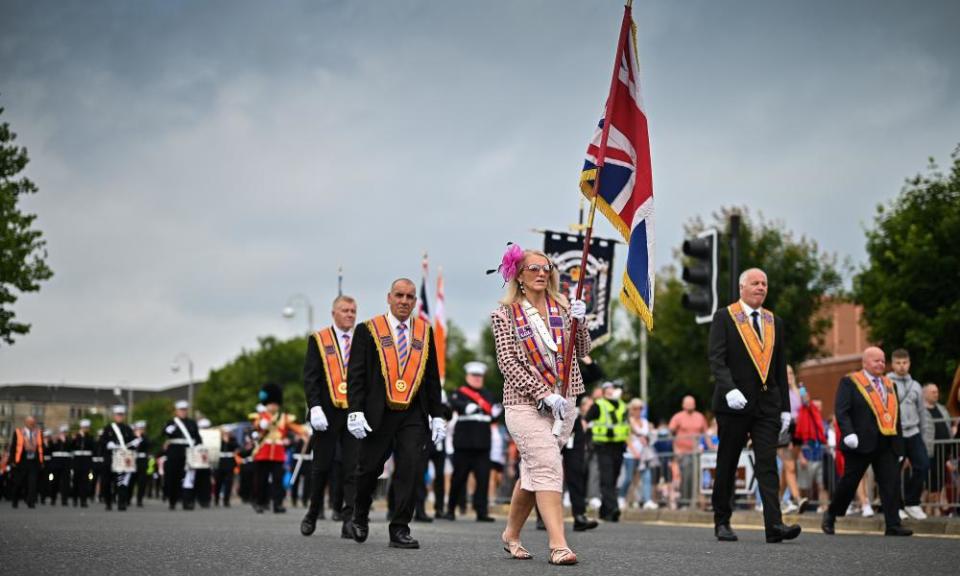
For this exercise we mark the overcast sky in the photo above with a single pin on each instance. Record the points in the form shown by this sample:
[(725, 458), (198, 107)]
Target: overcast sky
[(200, 162)]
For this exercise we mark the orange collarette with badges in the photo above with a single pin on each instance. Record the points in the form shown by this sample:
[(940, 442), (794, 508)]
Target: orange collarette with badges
[(760, 352), (402, 382), (333, 366), (886, 415)]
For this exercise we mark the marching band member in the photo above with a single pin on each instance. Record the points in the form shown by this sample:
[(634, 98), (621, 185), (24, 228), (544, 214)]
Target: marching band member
[(276, 430), (223, 477), (182, 434), (115, 437), (143, 460), (63, 463), (325, 387), (82, 447), (393, 385), (531, 329)]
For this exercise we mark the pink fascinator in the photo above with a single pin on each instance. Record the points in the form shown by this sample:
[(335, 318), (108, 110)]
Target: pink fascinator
[(509, 264)]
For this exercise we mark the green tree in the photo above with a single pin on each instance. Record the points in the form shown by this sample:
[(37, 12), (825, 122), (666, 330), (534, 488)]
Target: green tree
[(22, 248), (230, 393), (910, 285), (156, 412)]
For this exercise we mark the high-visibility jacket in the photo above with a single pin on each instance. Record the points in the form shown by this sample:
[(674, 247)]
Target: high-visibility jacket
[(18, 451), (612, 426)]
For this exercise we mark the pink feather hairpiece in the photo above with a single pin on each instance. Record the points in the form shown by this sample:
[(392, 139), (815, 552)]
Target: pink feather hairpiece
[(510, 263)]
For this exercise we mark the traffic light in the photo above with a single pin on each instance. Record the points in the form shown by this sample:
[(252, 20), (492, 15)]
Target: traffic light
[(700, 273)]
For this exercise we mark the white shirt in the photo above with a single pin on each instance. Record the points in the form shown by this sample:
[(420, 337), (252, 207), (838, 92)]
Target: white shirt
[(340, 334), (748, 310), (877, 382), (394, 323)]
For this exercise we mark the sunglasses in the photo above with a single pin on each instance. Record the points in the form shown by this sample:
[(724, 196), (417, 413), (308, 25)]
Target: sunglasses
[(536, 268)]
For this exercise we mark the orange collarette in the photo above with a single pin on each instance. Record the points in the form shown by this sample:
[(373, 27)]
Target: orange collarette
[(333, 366), (886, 415), (760, 352)]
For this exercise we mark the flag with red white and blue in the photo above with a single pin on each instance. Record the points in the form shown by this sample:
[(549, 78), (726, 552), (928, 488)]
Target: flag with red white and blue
[(618, 167)]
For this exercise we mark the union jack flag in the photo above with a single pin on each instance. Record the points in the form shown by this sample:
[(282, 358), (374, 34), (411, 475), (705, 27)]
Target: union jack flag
[(617, 166)]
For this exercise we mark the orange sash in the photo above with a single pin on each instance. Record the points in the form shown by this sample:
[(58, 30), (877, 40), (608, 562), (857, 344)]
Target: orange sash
[(886, 415), (402, 382), (760, 352), (333, 366)]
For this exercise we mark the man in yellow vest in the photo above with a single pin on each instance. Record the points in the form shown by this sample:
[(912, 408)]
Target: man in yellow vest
[(610, 430), (867, 411)]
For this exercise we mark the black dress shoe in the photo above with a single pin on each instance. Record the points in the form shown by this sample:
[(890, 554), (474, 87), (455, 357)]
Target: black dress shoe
[(256, 508), (829, 523), (725, 533), (781, 532), (898, 531), (540, 524), (581, 523), (403, 540), (336, 517), (361, 529), (422, 517), (447, 516), (279, 510), (485, 518), (346, 530), (308, 525)]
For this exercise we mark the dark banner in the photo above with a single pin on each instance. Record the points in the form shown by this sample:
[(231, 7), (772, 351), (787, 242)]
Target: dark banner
[(566, 250)]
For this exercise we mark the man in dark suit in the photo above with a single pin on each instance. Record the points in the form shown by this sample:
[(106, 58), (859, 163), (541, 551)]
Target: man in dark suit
[(750, 398), (325, 385), (392, 413), (868, 413)]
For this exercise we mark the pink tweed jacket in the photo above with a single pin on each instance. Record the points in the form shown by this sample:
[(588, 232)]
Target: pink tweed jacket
[(522, 384)]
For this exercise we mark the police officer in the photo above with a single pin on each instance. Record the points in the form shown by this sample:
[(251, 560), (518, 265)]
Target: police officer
[(610, 430), (82, 447), (116, 436), (181, 433), (476, 410), (143, 460)]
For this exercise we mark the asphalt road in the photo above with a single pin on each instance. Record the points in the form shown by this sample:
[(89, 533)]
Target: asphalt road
[(154, 540)]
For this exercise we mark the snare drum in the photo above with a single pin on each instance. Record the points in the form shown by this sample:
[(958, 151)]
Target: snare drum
[(123, 461), (198, 458)]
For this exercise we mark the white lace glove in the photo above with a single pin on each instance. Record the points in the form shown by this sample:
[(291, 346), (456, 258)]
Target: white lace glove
[(736, 400), (357, 425), (851, 441), (471, 408), (438, 430), (578, 309), (318, 420), (558, 404), (784, 421), (111, 445)]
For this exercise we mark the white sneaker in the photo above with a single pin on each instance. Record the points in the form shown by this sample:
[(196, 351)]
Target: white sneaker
[(903, 515), (759, 506), (867, 511), (791, 508), (566, 499), (851, 509), (621, 502), (916, 512), (650, 505)]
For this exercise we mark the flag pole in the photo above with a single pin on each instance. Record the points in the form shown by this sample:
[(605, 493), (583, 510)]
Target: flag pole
[(601, 156)]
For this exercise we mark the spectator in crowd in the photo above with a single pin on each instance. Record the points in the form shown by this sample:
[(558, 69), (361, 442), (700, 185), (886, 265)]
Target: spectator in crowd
[(936, 437), (788, 452), (912, 414), (663, 445), (811, 436), (610, 430), (638, 457), (687, 426)]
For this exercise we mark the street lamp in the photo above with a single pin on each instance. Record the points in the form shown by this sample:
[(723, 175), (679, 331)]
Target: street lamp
[(175, 367), (299, 299)]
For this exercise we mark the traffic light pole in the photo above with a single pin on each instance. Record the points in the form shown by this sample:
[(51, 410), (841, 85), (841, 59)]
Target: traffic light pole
[(734, 257)]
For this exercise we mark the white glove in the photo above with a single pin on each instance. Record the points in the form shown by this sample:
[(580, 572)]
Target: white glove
[(318, 420), (496, 411), (851, 441), (264, 423), (578, 309), (357, 425), (111, 445), (438, 430), (558, 404), (736, 400), (784, 421), (471, 408), (136, 443), (170, 429)]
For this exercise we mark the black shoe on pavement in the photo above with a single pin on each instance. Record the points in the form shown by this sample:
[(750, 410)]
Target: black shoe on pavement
[(279, 510), (422, 517), (829, 523), (581, 523), (308, 525), (361, 528), (447, 516), (486, 518), (346, 530), (402, 539), (258, 508), (781, 532), (898, 531), (725, 533)]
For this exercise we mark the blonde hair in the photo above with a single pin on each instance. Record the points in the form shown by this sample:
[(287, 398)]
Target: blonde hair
[(514, 294)]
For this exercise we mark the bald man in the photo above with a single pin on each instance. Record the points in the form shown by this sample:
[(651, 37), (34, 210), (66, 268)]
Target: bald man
[(750, 399), (867, 411)]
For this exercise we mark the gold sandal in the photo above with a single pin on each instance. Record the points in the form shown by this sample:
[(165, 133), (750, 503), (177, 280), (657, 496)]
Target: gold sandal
[(516, 550), (562, 556)]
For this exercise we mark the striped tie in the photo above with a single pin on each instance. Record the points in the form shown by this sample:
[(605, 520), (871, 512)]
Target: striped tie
[(346, 348), (402, 344)]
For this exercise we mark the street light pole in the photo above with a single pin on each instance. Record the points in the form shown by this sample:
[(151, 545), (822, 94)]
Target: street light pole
[(184, 357), (299, 299)]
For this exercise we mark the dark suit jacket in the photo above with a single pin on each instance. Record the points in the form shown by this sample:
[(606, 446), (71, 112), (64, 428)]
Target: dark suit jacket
[(315, 379), (366, 390), (732, 367), (854, 416)]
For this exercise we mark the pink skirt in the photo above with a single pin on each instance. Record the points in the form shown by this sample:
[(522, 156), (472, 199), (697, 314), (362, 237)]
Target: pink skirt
[(541, 465)]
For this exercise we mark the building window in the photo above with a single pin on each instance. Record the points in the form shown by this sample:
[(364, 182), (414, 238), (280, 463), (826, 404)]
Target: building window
[(6, 410), (4, 429), (77, 412), (37, 411)]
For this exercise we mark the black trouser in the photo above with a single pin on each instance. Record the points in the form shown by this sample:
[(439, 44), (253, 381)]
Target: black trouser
[(202, 487), (141, 481), (223, 478), (324, 469), (63, 477), (916, 453), (173, 472), (245, 489), (81, 479), (886, 471), (733, 430), (575, 476), (439, 459), (405, 433), (265, 491), (111, 488), (465, 462), (26, 476), (609, 462)]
